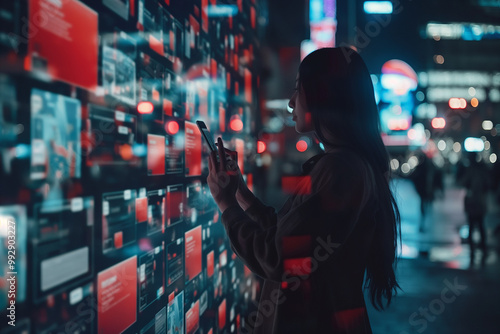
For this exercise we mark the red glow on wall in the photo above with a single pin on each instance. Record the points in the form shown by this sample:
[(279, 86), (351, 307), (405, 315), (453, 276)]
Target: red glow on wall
[(172, 127), (145, 107), (301, 146), (261, 146)]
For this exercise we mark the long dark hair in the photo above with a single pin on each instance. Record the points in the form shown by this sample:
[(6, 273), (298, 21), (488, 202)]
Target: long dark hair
[(340, 96)]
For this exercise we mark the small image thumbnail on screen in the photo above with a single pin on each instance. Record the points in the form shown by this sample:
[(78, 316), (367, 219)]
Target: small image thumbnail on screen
[(150, 24), (62, 255), (199, 203), (220, 281), (151, 276), (192, 35), (10, 17), (175, 313), (222, 311), (194, 290), (197, 89), (173, 94), (192, 149), (111, 135), (118, 220), (175, 204), (194, 201), (141, 207), (150, 86), (156, 154), (217, 108), (120, 7), (173, 39), (8, 124), (174, 147), (175, 260), (118, 66), (156, 211), (206, 321), (75, 304), (158, 324), (55, 137), (13, 223), (208, 240), (196, 302)]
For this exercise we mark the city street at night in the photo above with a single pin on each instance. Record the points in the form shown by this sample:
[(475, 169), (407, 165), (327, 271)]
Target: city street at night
[(434, 261)]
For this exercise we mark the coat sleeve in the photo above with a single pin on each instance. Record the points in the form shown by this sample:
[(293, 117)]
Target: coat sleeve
[(339, 192), (264, 215)]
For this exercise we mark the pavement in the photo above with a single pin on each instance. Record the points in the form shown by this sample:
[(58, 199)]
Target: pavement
[(441, 292)]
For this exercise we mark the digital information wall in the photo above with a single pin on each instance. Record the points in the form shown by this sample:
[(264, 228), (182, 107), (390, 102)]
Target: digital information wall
[(106, 221)]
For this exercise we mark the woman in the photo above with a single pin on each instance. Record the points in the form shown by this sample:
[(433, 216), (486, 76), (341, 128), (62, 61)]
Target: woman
[(341, 222)]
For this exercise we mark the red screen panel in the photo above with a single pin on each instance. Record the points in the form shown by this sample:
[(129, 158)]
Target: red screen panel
[(222, 314), (248, 86), (117, 297), (141, 209), (65, 43), (156, 155), (193, 253), (193, 318), (193, 149), (210, 264)]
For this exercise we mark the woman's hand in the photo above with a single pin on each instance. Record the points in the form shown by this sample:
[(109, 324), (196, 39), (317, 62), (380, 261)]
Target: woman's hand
[(223, 178), (244, 196)]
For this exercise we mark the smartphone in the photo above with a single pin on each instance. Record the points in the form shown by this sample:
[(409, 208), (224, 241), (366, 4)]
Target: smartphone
[(207, 135)]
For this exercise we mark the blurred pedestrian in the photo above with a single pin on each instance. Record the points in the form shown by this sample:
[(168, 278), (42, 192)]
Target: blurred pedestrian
[(476, 181), (423, 180)]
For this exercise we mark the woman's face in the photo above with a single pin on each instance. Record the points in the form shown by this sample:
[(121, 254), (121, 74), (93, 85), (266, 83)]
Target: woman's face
[(301, 116)]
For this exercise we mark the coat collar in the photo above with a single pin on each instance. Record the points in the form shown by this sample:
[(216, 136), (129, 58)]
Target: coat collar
[(309, 164)]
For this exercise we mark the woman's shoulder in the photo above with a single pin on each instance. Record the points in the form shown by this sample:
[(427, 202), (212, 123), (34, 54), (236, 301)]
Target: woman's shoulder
[(344, 159), (343, 168)]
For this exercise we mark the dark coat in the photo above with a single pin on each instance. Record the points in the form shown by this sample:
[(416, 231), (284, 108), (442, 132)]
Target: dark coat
[(476, 181), (313, 253)]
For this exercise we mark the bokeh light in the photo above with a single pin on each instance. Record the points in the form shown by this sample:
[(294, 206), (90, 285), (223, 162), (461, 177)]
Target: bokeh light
[(261, 146), (474, 102), (487, 125), (301, 145), (493, 158), (145, 107), (172, 127), (439, 59)]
